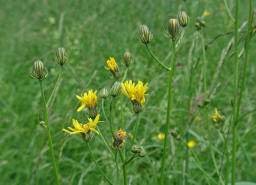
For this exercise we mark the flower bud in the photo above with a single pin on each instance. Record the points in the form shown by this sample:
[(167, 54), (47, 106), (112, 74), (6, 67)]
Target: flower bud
[(115, 89), (39, 70), (200, 23), (127, 58), (61, 56), (174, 28), (183, 18), (104, 93), (145, 35), (138, 150), (137, 107)]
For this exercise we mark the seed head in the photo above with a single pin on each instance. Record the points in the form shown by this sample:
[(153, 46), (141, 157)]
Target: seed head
[(183, 18), (61, 56), (39, 70), (115, 89), (145, 35), (174, 28), (127, 58), (119, 140)]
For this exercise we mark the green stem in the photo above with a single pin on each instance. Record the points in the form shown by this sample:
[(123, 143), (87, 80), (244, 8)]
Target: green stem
[(156, 59), (95, 162), (105, 142), (49, 135), (228, 10), (117, 169), (130, 160), (125, 75), (136, 128), (168, 114), (207, 111), (57, 84), (235, 106), (124, 167), (111, 117)]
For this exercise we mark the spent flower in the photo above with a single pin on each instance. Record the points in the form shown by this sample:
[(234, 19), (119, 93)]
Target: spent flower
[(119, 140)]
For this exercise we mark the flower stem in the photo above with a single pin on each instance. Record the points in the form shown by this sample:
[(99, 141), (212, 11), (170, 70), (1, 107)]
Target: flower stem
[(168, 114), (95, 162), (236, 88), (117, 170), (136, 127), (124, 166), (111, 117), (49, 135)]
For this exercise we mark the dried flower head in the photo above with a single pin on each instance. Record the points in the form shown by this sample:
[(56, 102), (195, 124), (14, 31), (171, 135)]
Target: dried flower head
[(119, 140), (113, 67), (145, 35), (39, 71), (136, 93)]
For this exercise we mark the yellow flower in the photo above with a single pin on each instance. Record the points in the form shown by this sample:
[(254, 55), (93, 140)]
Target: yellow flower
[(83, 128), (198, 118), (89, 100), (231, 22), (112, 65), (216, 117), (160, 136), (191, 144), (119, 140), (135, 93), (206, 14)]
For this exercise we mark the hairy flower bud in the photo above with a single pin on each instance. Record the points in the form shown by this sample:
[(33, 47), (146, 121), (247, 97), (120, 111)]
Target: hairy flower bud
[(145, 35), (104, 93), (183, 18), (174, 29), (127, 58), (39, 70), (115, 89), (61, 56)]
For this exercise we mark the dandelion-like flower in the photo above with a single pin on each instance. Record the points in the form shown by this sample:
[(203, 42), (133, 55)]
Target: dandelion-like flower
[(206, 13), (89, 100), (119, 140), (84, 129), (191, 144), (113, 67), (198, 118), (136, 93), (217, 117), (160, 136)]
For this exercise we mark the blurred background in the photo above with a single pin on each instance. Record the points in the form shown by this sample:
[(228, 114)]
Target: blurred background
[(91, 32)]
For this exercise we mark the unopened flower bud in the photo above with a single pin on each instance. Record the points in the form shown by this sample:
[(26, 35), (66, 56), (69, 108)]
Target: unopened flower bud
[(174, 28), (183, 18), (200, 23), (115, 89), (104, 93), (127, 58), (39, 70), (137, 107), (145, 35), (175, 133), (138, 150), (61, 56)]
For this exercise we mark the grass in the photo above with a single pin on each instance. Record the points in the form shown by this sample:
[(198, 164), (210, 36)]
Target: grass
[(92, 32)]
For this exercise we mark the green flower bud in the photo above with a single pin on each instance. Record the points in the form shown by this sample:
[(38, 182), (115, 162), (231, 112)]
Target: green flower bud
[(174, 28), (137, 107), (61, 56), (183, 18), (127, 58), (142, 152), (200, 23), (104, 93), (115, 89), (136, 149), (39, 70), (145, 35)]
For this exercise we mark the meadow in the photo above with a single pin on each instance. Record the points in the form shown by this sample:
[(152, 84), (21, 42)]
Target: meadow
[(209, 75)]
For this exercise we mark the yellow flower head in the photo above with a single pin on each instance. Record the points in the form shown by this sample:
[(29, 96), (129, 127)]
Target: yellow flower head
[(198, 118), (112, 65), (160, 136), (216, 117), (119, 138), (206, 14), (191, 144), (88, 99), (83, 128), (135, 93)]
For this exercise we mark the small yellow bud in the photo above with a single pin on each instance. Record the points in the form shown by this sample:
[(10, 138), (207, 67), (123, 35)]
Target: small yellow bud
[(115, 89), (61, 56), (39, 70), (183, 18), (145, 35), (127, 58), (174, 28), (104, 93)]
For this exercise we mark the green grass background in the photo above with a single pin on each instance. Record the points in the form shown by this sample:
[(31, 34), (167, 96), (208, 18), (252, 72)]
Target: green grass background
[(92, 31)]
